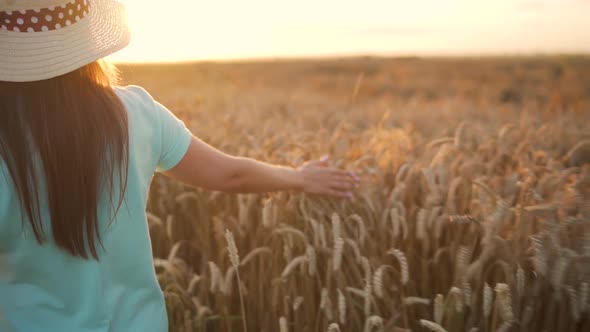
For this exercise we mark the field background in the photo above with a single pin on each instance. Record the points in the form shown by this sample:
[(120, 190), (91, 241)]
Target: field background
[(473, 211)]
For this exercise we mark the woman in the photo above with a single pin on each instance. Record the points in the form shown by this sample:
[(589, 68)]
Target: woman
[(77, 155)]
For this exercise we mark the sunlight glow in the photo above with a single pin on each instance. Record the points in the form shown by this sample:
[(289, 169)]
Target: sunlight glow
[(180, 30)]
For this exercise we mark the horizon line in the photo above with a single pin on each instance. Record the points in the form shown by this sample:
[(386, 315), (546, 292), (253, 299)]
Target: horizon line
[(336, 56)]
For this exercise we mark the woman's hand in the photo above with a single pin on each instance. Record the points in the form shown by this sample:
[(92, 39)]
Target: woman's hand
[(319, 178)]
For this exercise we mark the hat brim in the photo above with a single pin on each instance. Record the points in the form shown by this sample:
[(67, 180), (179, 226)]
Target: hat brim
[(35, 56)]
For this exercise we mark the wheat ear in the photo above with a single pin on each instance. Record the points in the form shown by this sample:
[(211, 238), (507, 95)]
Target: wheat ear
[(235, 261)]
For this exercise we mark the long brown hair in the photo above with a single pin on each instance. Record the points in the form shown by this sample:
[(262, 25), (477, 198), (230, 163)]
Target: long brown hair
[(72, 132)]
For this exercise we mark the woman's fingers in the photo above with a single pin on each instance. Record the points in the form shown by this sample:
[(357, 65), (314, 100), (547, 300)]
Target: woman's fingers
[(344, 180), (341, 182), (329, 180), (342, 173)]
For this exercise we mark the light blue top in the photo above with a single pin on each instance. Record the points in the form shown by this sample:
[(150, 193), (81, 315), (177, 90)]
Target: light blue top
[(42, 288)]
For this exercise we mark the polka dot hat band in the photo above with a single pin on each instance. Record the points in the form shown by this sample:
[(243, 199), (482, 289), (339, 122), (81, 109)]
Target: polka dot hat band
[(44, 19), (42, 39)]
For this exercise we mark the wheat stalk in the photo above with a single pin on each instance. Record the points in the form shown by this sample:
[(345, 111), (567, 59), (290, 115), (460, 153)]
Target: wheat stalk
[(322, 235), (395, 223), (372, 322), (504, 302), (488, 298), (338, 249), (267, 213), (461, 262), (216, 279), (283, 324), (356, 250), (540, 258), (432, 326), (235, 261), (421, 224), (405, 275), (341, 307), (169, 227), (574, 303), (439, 308), (457, 295), (520, 281), (359, 292), (153, 219), (559, 272), (293, 264), (287, 246), (463, 219), (361, 226), (583, 301), (325, 303), (193, 283), (232, 249), (336, 230), (411, 300), (254, 253), (333, 328), (297, 302), (467, 294), (311, 260), (505, 326), (291, 231), (378, 281), (368, 298)]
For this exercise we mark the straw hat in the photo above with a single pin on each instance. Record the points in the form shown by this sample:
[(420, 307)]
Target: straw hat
[(41, 39)]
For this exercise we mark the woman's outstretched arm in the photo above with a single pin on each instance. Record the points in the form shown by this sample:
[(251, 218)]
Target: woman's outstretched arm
[(207, 167)]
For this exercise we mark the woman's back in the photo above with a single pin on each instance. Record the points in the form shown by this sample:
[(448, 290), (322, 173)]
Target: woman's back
[(46, 288)]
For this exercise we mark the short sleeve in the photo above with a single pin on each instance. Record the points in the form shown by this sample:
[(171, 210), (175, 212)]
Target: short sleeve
[(175, 138), (173, 135), (168, 136)]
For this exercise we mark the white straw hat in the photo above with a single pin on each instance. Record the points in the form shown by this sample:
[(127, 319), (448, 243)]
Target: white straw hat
[(42, 39)]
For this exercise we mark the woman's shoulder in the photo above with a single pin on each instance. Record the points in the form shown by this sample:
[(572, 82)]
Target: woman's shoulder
[(133, 92), (136, 100)]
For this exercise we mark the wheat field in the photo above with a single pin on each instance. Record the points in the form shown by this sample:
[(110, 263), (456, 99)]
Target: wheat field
[(473, 212)]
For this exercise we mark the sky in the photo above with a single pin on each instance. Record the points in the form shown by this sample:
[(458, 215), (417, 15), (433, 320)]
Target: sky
[(184, 30)]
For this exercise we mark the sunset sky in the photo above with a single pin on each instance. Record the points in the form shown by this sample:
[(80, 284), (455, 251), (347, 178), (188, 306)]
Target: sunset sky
[(180, 30)]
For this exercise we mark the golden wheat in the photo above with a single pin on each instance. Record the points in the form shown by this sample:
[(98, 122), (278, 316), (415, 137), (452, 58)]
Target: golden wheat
[(465, 187)]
